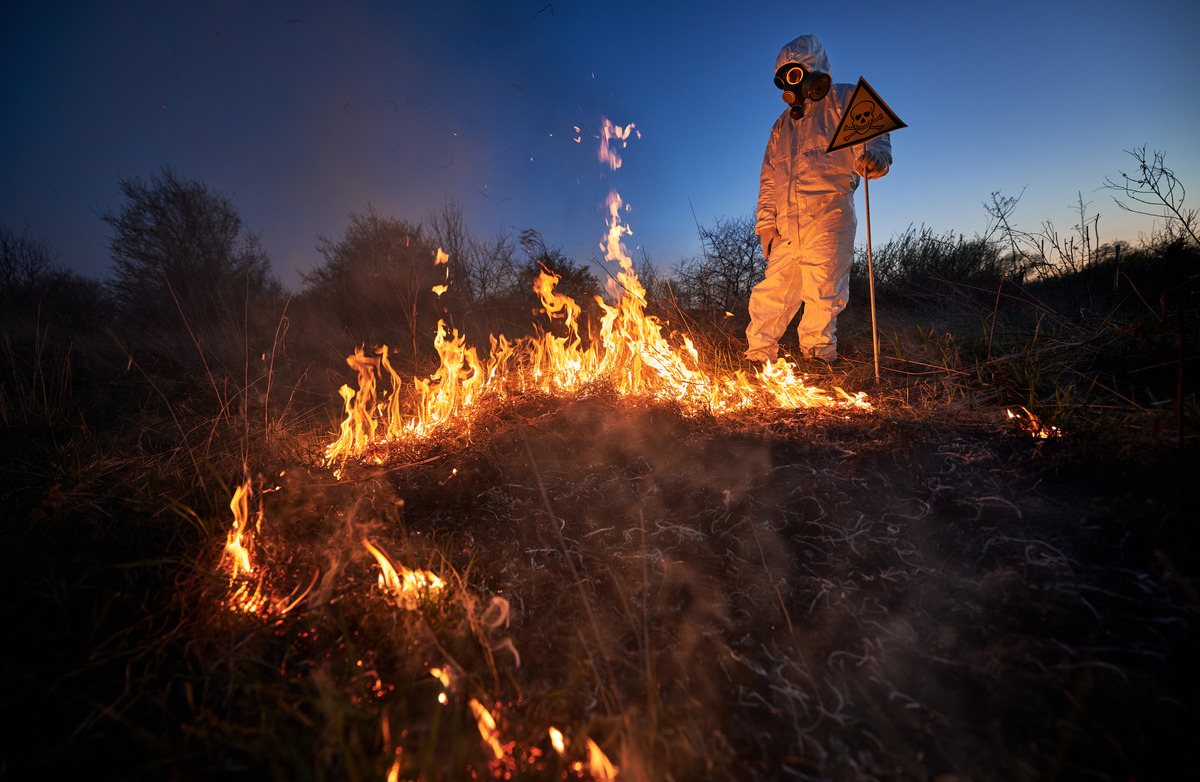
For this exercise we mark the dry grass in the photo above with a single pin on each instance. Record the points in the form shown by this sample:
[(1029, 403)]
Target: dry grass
[(801, 594), (919, 590)]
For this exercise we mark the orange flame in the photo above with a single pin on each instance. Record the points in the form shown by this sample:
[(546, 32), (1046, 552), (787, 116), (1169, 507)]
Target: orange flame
[(598, 763), (556, 738), (237, 558), (1032, 424), (631, 352), (609, 132), (246, 579), (487, 727), (393, 774), (406, 587)]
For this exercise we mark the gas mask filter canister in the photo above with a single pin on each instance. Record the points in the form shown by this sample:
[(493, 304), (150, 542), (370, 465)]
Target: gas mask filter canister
[(799, 84)]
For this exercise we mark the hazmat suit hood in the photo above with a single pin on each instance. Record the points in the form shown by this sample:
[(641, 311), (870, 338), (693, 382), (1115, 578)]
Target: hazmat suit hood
[(810, 81), (807, 51)]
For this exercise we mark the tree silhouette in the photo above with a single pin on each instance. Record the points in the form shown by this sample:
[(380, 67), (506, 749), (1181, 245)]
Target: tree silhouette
[(577, 281), (722, 279), (377, 283), (181, 256), (481, 271), (34, 287)]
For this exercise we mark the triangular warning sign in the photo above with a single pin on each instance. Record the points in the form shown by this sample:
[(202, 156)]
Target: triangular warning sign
[(866, 117)]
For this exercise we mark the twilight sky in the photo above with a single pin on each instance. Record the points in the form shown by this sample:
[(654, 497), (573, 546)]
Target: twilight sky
[(305, 111)]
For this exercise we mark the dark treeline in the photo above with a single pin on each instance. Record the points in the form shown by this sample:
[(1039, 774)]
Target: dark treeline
[(191, 286)]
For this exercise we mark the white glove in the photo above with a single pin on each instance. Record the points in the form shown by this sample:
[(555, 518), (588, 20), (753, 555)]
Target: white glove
[(767, 237), (871, 164)]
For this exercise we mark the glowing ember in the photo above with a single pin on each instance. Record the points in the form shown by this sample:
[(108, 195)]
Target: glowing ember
[(406, 587), (441, 675), (442, 258)]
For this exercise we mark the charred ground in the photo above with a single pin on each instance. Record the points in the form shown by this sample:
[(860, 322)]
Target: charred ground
[(807, 593), (822, 594)]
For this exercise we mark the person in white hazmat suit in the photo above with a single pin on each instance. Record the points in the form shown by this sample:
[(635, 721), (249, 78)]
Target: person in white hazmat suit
[(805, 217)]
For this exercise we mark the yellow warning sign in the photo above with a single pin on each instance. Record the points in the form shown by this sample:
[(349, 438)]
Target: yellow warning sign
[(866, 117)]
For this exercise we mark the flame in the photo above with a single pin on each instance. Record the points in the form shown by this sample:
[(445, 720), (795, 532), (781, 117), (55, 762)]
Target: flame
[(608, 132), (1032, 424), (393, 774), (237, 558), (487, 727), (246, 580), (631, 352), (556, 738), (406, 587), (598, 763)]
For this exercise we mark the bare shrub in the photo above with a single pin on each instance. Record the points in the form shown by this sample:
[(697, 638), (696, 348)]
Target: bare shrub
[(182, 257), (376, 286), (721, 280)]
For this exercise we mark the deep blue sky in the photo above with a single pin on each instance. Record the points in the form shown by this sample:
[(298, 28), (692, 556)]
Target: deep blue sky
[(303, 112)]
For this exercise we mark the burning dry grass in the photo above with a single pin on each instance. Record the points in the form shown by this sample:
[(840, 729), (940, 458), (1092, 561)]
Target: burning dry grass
[(557, 576), (807, 594), (825, 593), (563, 584)]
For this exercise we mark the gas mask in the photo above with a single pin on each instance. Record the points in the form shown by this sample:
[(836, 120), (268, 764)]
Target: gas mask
[(798, 84)]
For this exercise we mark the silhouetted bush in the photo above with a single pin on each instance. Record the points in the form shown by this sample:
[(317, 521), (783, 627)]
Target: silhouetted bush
[(183, 261), (721, 279), (36, 290), (375, 287)]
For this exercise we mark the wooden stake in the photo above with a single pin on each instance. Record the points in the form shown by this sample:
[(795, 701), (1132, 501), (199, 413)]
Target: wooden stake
[(871, 276)]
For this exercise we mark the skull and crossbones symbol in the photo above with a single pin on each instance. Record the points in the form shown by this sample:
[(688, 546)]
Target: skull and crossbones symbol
[(864, 119)]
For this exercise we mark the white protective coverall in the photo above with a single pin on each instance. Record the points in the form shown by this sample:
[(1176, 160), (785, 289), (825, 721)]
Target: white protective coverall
[(806, 217)]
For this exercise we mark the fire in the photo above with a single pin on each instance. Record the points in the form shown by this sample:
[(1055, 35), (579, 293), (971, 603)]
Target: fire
[(609, 132), (248, 592), (556, 738), (1032, 424), (393, 773), (487, 728), (598, 763), (406, 587), (237, 558), (631, 353)]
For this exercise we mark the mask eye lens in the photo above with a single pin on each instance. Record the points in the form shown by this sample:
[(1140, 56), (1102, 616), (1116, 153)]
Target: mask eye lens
[(795, 75)]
